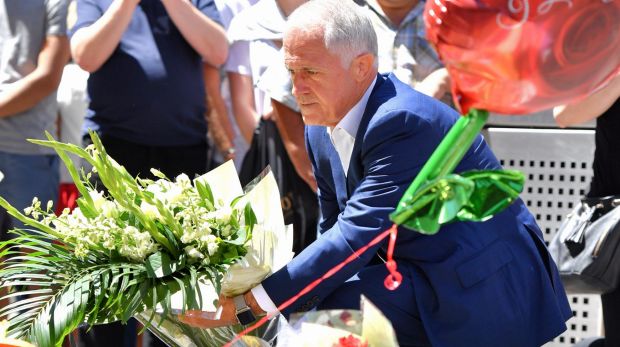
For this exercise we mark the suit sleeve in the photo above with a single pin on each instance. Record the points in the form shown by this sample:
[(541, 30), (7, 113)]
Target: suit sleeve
[(389, 168)]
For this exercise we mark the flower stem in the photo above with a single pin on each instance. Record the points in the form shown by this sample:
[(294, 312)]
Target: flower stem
[(28, 221)]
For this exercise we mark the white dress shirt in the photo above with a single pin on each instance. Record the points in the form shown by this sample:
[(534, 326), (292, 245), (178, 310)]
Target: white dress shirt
[(343, 139)]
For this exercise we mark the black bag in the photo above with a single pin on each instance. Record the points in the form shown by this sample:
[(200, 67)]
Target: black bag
[(299, 202), (586, 247)]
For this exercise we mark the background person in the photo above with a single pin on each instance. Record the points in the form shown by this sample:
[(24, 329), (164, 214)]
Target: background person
[(147, 93), (604, 105), (33, 52)]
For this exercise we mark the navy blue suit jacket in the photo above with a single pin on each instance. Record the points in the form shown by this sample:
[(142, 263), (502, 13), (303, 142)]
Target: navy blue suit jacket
[(472, 284)]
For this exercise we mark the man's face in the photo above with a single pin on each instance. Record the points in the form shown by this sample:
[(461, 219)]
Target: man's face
[(324, 89)]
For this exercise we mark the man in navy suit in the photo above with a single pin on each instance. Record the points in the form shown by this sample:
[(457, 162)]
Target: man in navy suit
[(368, 135)]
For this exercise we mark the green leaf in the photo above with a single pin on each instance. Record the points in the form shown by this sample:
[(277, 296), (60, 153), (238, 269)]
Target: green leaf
[(240, 240), (158, 174), (68, 291), (86, 209), (250, 216), (234, 201), (205, 193), (160, 264)]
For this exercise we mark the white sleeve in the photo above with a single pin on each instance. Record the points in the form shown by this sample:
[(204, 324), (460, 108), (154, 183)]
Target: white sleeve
[(263, 300)]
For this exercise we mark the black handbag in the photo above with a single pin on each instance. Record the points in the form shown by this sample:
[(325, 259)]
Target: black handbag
[(586, 247)]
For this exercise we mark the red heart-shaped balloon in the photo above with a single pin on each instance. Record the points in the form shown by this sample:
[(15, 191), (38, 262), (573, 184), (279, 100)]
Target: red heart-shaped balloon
[(523, 56)]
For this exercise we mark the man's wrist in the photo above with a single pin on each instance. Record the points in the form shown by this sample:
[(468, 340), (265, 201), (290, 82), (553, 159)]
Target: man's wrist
[(253, 304)]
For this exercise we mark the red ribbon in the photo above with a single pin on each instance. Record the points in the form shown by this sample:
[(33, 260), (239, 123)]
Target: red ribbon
[(392, 281)]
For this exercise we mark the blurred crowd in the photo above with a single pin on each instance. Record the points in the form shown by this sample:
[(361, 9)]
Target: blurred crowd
[(181, 86), (185, 85)]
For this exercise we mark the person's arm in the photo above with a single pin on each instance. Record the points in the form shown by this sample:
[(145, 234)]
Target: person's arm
[(206, 36), (242, 97), (217, 115), (91, 46), (590, 107), (436, 85), (291, 128), (34, 87)]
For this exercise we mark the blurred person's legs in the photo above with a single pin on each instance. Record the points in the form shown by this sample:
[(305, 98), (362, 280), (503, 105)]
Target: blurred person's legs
[(611, 317), (26, 177), (172, 161)]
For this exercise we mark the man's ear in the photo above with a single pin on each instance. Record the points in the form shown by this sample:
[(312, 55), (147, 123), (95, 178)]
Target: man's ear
[(362, 66)]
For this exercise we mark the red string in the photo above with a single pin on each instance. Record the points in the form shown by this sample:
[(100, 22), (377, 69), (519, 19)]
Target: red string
[(394, 278)]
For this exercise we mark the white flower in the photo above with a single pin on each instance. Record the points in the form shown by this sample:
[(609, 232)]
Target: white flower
[(183, 180), (108, 243), (192, 252), (174, 194), (130, 230), (205, 229), (81, 251), (212, 245), (109, 209), (98, 198), (221, 214), (154, 188)]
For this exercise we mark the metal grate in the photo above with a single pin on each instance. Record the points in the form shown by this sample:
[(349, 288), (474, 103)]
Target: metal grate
[(558, 169)]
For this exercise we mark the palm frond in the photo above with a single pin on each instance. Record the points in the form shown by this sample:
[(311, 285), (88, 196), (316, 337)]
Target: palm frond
[(60, 291)]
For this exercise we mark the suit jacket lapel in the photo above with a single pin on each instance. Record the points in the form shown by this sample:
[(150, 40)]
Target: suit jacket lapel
[(356, 169), (337, 171)]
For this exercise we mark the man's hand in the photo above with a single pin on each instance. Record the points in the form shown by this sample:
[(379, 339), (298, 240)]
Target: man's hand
[(225, 315)]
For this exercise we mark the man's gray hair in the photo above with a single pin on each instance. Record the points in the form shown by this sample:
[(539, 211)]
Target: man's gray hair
[(347, 30)]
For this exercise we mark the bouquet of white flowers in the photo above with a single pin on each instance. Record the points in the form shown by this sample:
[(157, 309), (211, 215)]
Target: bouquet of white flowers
[(131, 250)]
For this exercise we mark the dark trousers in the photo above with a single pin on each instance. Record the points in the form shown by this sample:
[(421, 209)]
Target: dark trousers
[(138, 160), (611, 317), (172, 161)]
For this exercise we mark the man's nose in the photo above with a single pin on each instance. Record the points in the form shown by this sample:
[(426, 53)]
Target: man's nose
[(299, 86)]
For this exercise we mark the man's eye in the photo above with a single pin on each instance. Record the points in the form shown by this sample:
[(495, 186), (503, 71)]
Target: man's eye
[(311, 72)]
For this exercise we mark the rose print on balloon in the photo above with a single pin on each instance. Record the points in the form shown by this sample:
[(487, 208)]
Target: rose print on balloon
[(506, 56), (522, 56)]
